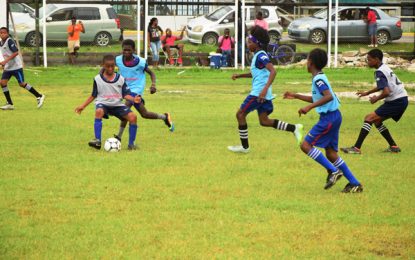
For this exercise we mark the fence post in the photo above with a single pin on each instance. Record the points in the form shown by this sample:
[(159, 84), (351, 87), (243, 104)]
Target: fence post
[(45, 56)]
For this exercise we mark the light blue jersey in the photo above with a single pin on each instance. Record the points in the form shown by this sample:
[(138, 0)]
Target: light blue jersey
[(133, 73), (320, 84), (260, 74)]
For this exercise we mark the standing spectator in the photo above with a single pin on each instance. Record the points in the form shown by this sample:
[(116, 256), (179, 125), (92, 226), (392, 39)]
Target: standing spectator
[(154, 42), (372, 26), (226, 44), (168, 42), (260, 21), (73, 38)]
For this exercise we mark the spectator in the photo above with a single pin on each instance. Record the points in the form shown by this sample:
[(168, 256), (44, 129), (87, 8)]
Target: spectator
[(168, 42), (260, 21), (226, 44), (154, 42), (372, 26), (74, 39)]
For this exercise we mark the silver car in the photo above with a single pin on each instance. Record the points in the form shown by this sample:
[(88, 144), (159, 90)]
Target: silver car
[(207, 29), (351, 26), (100, 22)]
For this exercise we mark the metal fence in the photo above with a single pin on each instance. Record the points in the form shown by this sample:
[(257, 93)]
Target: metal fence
[(301, 27)]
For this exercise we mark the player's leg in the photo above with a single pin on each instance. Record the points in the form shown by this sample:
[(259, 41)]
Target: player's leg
[(384, 131), (169, 56), (4, 80), (123, 124), (353, 185), (20, 79), (144, 113), (99, 114), (132, 119), (180, 46), (250, 104)]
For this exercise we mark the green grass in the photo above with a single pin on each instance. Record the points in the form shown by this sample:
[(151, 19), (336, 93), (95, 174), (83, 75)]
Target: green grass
[(182, 194)]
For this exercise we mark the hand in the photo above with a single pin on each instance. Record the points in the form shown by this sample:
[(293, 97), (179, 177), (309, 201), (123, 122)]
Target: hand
[(79, 110), (234, 76), (137, 99), (153, 89), (361, 93), (373, 99), (261, 98), (289, 95), (3, 63), (303, 110)]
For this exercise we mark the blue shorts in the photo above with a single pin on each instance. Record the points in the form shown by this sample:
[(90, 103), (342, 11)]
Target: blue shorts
[(18, 74), (325, 133), (118, 112), (137, 105), (372, 28), (393, 109), (251, 103)]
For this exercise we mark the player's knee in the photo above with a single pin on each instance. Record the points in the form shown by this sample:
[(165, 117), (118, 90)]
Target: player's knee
[(22, 84), (132, 118), (305, 147), (99, 113)]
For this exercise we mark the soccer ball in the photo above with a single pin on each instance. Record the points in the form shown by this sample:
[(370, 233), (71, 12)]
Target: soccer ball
[(112, 145)]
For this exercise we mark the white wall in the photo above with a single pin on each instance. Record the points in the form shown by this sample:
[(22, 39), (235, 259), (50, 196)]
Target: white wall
[(3, 16)]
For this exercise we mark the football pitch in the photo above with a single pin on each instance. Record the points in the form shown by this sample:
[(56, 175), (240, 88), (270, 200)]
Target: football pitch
[(183, 195)]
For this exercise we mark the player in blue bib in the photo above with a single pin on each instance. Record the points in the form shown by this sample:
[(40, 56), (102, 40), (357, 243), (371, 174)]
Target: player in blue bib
[(133, 68), (325, 133), (260, 98)]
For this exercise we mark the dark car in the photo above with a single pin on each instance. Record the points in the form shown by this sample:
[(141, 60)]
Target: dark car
[(351, 26)]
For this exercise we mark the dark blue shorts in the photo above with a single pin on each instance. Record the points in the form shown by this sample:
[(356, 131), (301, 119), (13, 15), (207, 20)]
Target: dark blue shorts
[(18, 74), (325, 133), (393, 109), (137, 105), (372, 29), (118, 112), (251, 103)]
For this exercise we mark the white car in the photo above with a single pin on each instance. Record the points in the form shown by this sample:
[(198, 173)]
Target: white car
[(207, 29), (21, 13)]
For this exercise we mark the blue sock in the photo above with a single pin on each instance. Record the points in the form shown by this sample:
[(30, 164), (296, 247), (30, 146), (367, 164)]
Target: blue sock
[(133, 133), (98, 128), (339, 163), (316, 155)]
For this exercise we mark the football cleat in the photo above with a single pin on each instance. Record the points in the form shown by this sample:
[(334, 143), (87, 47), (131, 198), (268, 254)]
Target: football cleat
[(40, 101), (350, 188), (393, 149), (238, 149), (117, 137), (329, 175), (351, 150), (7, 107), (132, 147), (95, 143), (298, 132), (334, 176), (168, 122)]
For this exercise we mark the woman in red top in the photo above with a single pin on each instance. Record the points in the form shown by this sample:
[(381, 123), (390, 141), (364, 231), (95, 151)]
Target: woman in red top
[(372, 27), (168, 42)]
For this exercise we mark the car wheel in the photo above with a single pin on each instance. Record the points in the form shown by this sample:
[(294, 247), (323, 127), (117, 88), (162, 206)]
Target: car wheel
[(102, 39), (274, 37), (382, 37), (210, 39), (317, 36), (31, 39)]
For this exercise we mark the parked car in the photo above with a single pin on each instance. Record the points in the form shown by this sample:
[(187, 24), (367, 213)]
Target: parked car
[(21, 13), (100, 22), (207, 29), (351, 26)]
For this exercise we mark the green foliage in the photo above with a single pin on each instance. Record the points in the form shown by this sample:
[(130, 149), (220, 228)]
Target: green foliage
[(182, 194)]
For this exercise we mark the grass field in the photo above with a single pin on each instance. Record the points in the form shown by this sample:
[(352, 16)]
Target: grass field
[(182, 194)]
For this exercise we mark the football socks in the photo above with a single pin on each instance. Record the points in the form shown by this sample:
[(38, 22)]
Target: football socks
[(339, 163), (316, 155), (281, 125), (243, 135), (133, 133), (385, 133), (363, 133), (7, 95), (98, 128), (32, 90)]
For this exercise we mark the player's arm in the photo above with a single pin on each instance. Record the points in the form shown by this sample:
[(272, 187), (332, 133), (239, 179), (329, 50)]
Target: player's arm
[(153, 88), (381, 85), (88, 101), (272, 74), (181, 34), (126, 94), (83, 27), (327, 97), (13, 48), (292, 95), (237, 76)]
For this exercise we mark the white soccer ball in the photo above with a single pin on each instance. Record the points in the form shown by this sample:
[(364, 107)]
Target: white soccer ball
[(112, 145)]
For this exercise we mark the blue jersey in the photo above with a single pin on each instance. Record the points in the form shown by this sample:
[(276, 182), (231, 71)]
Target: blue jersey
[(134, 74), (260, 74), (320, 84)]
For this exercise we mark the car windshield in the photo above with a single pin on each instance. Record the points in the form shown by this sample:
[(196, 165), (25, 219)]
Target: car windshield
[(322, 14), (49, 9), (218, 13)]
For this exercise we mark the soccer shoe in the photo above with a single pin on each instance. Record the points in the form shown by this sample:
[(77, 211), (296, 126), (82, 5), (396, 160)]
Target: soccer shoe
[(40, 101), (350, 188), (329, 175), (238, 149), (132, 147), (168, 122), (7, 107), (334, 176), (351, 150), (95, 143), (117, 137), (393, 149), (298, 132)]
